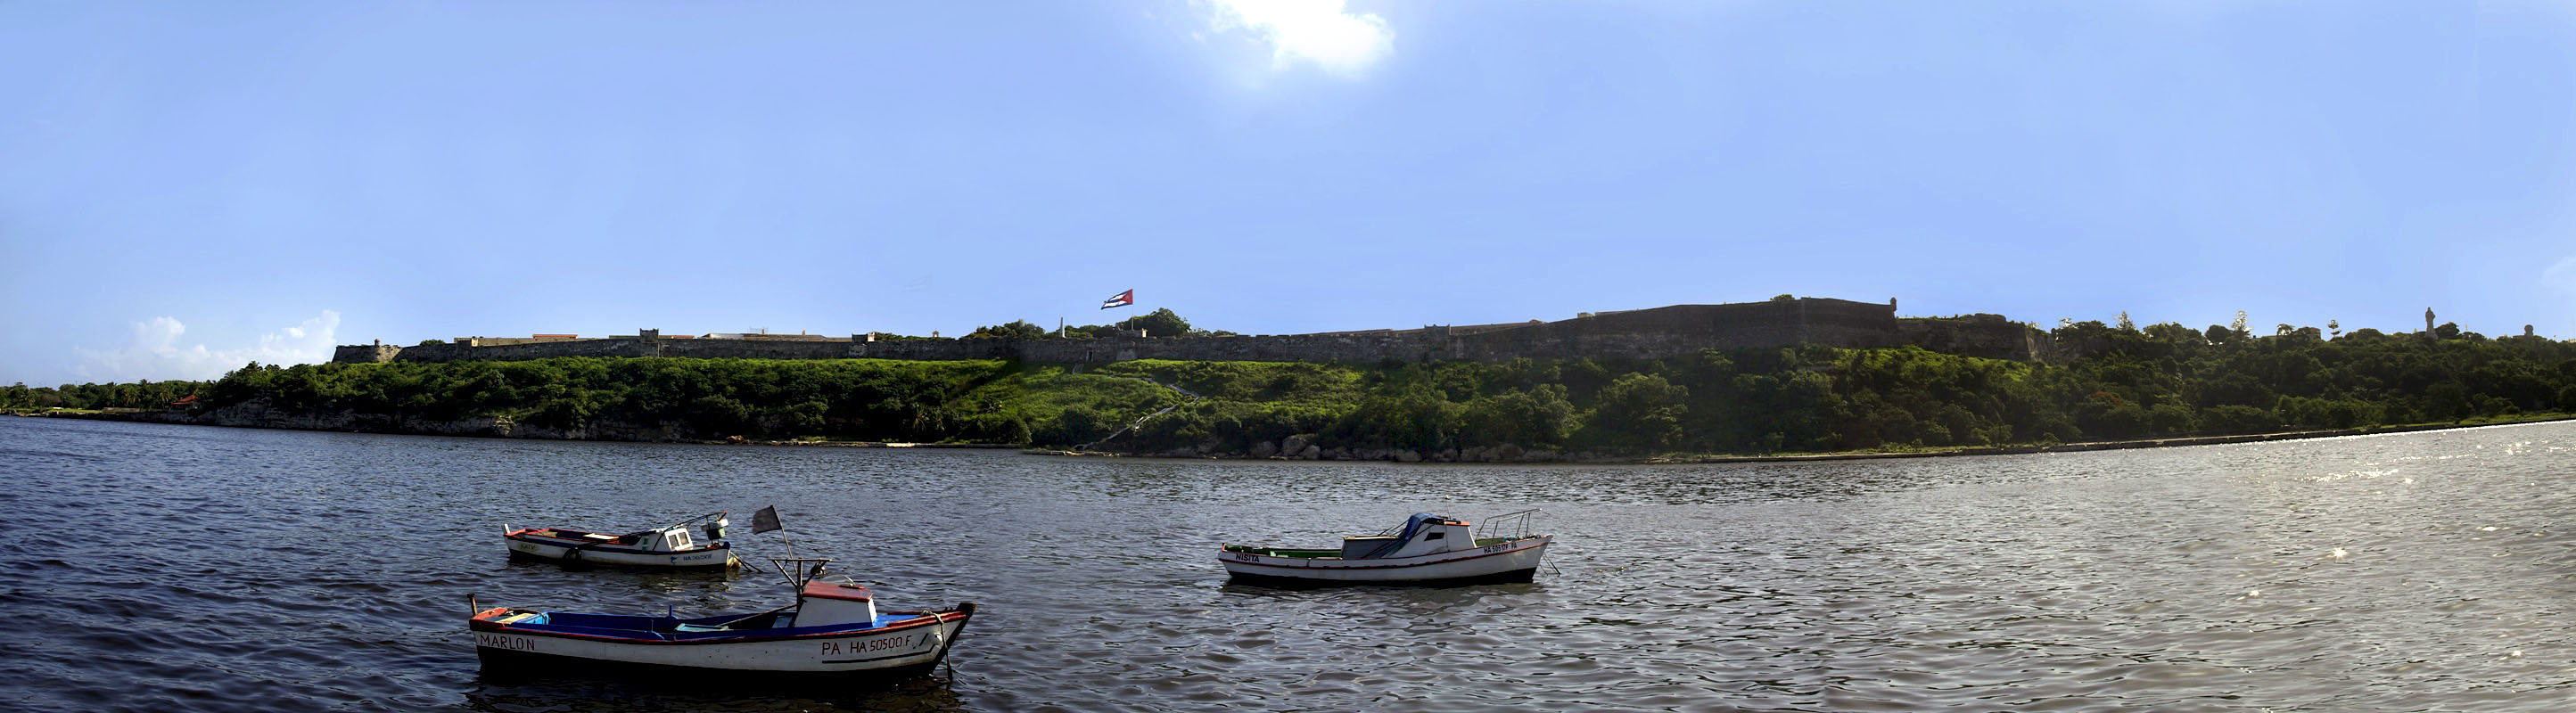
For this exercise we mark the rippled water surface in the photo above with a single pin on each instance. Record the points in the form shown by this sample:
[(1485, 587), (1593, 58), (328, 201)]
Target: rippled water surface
[(166, 567)]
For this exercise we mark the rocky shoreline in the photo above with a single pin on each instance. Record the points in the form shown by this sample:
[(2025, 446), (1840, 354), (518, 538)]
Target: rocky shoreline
[(1296, 448), (1292, 448)]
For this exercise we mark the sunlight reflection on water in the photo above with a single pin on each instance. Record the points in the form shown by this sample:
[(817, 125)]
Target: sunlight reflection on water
[(272, 570)]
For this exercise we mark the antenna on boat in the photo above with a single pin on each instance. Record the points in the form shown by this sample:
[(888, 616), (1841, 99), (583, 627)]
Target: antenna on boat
[(799, 570)]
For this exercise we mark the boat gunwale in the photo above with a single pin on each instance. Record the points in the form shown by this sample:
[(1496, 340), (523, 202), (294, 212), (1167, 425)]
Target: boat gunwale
[(525, 534), (483, 622), (1342, 568)]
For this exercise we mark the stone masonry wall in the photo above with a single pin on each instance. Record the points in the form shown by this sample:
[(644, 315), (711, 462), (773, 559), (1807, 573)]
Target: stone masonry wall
[(364, 353), (1978, 335)]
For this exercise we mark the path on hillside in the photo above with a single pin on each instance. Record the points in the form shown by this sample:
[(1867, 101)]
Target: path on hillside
[(1140, 420)]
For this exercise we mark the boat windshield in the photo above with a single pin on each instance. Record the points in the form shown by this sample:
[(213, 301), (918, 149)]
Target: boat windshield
[(1412, 526)]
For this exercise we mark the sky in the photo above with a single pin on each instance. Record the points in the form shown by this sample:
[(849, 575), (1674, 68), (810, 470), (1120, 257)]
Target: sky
[(186, 187)]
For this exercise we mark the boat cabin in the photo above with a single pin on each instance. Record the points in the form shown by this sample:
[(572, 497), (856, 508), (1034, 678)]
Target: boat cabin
[(1423, 534), (668, 540), (823, 603)]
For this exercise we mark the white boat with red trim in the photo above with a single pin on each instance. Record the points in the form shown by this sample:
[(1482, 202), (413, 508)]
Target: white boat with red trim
[(674, 545), (1426, 549), (833, 628)]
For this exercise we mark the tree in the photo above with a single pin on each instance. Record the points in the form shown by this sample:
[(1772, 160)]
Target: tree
[(431, 342), (2125, 324), (1639, 412), (2172, 334), (2238, 326), (2239, 419), (1014, 329), (2334, 329), (1537, 418), (1158, 323), (2219, 335)]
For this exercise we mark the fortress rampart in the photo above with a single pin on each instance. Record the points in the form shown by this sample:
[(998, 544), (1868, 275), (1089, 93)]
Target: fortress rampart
[(1658, 333)]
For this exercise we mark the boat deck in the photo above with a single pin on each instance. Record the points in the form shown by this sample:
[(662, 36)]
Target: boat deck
[(1337, 554), (663, 628)]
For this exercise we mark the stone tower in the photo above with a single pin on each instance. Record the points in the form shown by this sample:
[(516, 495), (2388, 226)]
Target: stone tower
[(2428, 320)]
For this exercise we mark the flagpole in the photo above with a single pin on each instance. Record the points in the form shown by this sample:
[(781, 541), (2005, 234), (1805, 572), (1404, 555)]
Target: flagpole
[(767, 519)]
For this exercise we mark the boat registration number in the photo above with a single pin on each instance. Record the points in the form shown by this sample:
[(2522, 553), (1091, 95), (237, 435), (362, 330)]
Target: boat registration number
[(891, 643)]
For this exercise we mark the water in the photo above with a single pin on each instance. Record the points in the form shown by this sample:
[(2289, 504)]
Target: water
[(167, 567)]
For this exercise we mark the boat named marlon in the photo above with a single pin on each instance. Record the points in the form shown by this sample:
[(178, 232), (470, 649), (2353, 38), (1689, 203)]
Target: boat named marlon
[(833, 628), (1426, 549)]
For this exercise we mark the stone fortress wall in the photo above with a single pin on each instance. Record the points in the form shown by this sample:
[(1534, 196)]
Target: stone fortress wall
[(1658, 333)]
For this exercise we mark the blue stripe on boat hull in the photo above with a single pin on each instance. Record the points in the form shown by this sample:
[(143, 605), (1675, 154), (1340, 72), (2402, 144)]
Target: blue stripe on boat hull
[(1512, 577), (505, 666)]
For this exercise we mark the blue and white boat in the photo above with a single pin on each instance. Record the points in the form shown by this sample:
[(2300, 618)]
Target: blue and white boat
[(668, 546), (833, 628), (1426, 549)]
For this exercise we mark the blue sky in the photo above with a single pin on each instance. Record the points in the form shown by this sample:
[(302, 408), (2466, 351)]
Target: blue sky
[(186, 186)]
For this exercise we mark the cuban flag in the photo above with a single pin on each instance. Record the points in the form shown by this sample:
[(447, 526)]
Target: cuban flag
[(1121, 299)]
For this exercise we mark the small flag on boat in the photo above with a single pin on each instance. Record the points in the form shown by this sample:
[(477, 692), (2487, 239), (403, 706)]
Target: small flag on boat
[(1121, 299), (765, 520)]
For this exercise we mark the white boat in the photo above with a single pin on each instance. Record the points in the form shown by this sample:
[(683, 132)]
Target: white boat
[(834, 628), (1427, 549), (674, 545)]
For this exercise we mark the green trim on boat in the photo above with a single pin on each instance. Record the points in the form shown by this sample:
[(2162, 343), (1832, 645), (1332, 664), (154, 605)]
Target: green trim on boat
[(1268, 552)]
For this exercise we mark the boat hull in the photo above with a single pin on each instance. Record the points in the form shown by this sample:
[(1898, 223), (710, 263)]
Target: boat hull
[(545, 548), (1515, 561), (910, 647)]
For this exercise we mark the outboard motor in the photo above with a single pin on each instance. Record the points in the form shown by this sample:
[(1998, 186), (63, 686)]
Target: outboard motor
[(716, 529)]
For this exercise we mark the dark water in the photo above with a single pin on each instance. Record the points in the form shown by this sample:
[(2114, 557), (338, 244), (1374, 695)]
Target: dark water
[(162, 567)]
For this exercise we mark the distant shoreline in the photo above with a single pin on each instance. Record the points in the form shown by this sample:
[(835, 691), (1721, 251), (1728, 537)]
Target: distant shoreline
[(161, 417)]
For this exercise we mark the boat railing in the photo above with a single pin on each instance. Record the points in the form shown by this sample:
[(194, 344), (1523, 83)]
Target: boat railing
[(1517, 523)]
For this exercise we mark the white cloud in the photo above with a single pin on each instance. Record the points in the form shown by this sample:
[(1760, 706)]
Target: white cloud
[(1317, 31), (2561, 275), (155, 352)]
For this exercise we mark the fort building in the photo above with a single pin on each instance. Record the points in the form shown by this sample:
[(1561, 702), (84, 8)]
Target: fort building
[(1657, 333)]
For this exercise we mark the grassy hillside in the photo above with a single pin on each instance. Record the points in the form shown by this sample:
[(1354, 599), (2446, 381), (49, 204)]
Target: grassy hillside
[(2164, 380)]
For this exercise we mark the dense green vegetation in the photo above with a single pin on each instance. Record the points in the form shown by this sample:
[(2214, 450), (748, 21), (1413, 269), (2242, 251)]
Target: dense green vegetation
[(686, 398), (2163, 380), (145, 394)]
